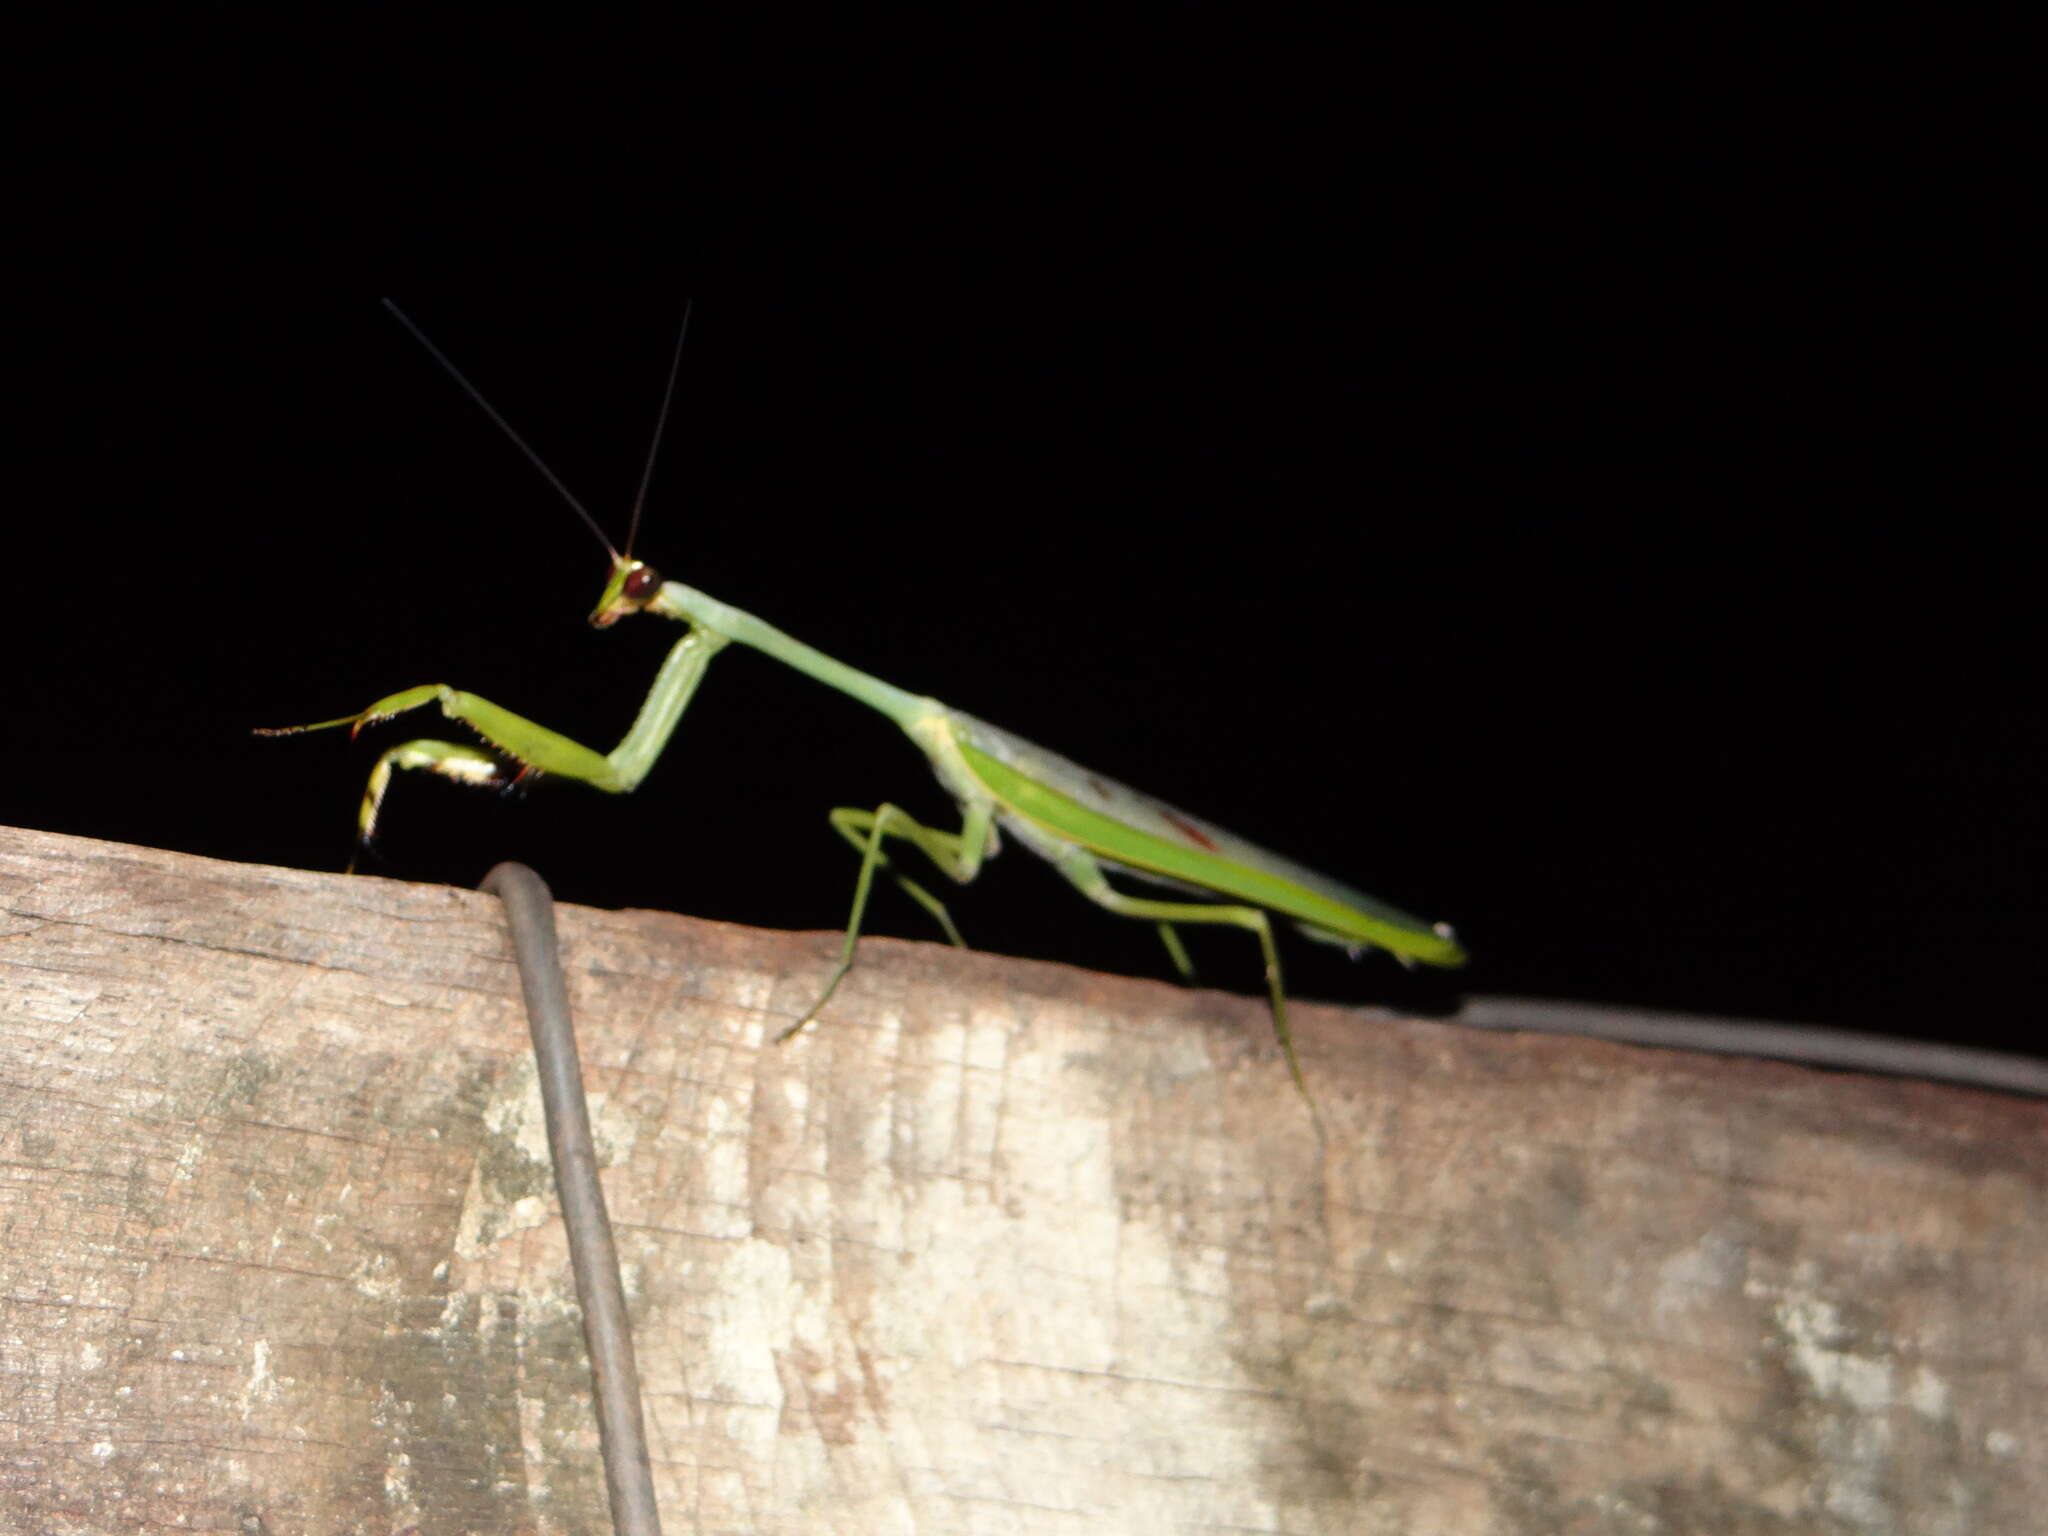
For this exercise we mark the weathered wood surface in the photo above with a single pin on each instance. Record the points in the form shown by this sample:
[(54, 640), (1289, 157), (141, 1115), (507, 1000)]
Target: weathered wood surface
[(1001, 1247)]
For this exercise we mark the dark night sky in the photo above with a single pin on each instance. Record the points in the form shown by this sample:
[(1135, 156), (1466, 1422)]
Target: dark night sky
[(1547, 489)]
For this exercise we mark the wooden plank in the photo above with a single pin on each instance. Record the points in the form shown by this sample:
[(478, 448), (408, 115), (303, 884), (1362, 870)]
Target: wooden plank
[(999, 1247)]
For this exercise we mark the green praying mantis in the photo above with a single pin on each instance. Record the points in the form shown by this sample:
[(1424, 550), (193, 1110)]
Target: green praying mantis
[(1085, 825)]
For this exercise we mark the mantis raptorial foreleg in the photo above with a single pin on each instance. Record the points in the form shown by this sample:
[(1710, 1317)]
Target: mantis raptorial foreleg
[(533, 747), (451, 759)]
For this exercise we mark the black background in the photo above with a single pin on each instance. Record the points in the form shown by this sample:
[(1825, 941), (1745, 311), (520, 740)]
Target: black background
[(1558, 484)]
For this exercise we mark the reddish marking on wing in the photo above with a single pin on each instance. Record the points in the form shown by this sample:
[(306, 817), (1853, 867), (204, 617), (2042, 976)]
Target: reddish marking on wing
[(1193, 834), (1101, 789)]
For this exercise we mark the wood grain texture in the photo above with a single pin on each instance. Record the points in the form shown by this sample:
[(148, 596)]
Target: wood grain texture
[(998, 1247)]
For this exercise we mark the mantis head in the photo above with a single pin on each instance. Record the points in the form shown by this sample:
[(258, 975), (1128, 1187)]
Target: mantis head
[(631, 588)]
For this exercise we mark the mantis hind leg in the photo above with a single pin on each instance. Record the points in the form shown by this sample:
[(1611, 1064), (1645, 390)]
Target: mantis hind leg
[(957, 854), (1177, 952), (1086, 875)]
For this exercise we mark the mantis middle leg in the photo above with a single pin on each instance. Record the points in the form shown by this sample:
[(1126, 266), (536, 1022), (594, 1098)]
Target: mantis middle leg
[(957, 854)]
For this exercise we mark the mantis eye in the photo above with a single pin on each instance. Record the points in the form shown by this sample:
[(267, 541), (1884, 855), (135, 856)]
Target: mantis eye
[(642, 582)]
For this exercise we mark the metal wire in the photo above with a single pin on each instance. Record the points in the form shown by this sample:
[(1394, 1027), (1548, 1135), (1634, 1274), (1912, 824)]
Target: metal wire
[(628, 1475), (1808, 1043)]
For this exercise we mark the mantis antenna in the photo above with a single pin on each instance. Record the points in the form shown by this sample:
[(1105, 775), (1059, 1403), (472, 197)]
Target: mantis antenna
[(668, 395)]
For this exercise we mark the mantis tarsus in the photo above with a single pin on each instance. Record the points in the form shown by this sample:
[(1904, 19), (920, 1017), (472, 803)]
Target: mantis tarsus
[(1085, 825)]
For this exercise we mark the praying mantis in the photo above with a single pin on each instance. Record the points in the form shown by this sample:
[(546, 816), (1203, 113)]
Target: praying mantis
[(1085, 825)]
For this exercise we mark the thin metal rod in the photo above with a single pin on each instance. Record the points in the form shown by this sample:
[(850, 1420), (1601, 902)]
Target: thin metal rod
[(628, 1475), (1809, 1043)]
